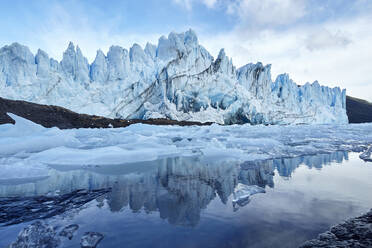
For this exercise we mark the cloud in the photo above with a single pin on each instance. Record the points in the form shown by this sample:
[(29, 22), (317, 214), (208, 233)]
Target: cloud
[(62, 26), (187, 4), (267, 12), (333, 60), (323, 39), (210, 3), (315, 51)]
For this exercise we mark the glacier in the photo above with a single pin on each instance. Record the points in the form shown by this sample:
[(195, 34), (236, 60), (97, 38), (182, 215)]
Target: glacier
[(176, 79)]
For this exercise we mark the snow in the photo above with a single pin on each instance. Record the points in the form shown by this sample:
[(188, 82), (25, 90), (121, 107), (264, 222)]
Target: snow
[(27, 149), (177, 79)]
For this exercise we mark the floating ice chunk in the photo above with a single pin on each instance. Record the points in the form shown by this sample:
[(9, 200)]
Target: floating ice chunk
[(9, 146), (35, 235), (242, 193), (367, 155), (26, 136), (21, 127), (91, 239), (142, 142)]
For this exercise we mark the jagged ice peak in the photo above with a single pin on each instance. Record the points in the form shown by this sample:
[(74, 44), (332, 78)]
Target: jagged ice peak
[(177, 79)]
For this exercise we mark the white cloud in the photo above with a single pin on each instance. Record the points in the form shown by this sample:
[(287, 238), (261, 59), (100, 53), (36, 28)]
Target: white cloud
[(323, 38), (61, 27), (334, 63), (210, 3), (187, 4), (267, 12)]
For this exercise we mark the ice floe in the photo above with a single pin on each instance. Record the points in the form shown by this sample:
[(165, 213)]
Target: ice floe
[(27, 147), (367, 155)]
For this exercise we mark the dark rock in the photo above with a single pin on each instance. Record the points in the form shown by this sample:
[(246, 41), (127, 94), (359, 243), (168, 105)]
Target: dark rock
[(355, 232), (36, 235), (341, 232), (358, 110), (326, 236), (91, 239)]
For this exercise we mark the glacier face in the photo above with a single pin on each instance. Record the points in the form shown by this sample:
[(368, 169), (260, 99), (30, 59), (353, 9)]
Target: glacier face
[(177, 79)]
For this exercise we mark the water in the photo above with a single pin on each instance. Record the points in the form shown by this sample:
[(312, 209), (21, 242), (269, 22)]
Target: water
[(189, 202)]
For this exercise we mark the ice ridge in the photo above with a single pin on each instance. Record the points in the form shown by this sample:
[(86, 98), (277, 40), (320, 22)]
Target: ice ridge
[(177, 79)]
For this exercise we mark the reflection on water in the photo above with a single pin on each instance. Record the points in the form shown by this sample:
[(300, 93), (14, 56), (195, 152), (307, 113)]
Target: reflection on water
[(286, 166), (177, 189)]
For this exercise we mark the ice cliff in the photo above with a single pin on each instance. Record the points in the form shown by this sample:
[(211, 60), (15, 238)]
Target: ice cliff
[(177, 79)]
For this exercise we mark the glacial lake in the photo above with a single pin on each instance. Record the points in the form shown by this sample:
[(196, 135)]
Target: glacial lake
[(192, 202)]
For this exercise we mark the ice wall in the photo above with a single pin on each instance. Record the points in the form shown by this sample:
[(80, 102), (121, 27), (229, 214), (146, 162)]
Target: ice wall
[(177, 79)]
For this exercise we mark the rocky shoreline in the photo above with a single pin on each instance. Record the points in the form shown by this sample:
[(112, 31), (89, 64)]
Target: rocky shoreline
[(54, 116), (356, 232)]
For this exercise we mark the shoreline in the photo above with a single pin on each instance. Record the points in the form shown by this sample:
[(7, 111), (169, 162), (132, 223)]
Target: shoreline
[(55, 116), (354, 232)]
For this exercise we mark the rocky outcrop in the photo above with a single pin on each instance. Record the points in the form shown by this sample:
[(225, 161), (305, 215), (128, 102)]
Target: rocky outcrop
[(355, 232), (358, 110)]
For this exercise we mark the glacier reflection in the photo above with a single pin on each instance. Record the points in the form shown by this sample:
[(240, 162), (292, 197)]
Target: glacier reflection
[(178, 188)]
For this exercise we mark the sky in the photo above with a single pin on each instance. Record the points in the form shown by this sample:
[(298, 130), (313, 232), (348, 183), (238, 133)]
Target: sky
[(325, 40)]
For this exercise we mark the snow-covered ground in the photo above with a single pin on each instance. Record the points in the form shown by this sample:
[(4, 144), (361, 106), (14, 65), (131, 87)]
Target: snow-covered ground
[(26, 149)]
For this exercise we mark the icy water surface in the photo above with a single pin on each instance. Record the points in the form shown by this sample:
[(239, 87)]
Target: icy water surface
[(189, 202)]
